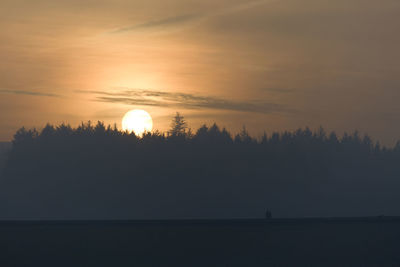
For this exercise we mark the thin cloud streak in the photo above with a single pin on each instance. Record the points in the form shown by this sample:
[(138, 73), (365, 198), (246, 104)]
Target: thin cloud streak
[(167, 22), (31, 93), (182, 20), (142, 97)]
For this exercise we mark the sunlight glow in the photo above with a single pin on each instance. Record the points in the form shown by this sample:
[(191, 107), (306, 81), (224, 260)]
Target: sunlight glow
[(137, 121)]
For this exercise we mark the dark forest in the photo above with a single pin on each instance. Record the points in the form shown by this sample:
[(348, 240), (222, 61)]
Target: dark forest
[(99, 172)]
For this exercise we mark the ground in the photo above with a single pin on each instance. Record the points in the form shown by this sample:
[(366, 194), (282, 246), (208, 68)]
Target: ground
[(295, 242)]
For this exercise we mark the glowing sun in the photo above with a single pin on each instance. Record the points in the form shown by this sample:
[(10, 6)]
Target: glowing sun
[(137, 121)]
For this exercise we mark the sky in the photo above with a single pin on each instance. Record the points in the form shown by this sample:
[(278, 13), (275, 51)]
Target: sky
[(270, 65)]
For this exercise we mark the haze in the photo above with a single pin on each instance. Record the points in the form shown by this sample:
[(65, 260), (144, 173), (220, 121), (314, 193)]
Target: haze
[(269, 65)]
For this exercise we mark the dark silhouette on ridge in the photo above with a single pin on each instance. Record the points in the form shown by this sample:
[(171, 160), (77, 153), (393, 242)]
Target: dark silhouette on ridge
[(100, 172), (268, 215)]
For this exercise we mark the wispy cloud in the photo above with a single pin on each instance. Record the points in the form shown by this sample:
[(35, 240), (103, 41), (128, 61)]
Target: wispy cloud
[(243, 6), (162, 23), (183, 20), (140, 97), (23, 92)]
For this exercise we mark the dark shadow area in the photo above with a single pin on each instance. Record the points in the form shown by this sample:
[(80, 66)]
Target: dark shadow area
[(253, 243)]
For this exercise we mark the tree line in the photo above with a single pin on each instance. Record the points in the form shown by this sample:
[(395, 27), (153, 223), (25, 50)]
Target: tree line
[(180, 133), (100, 171)]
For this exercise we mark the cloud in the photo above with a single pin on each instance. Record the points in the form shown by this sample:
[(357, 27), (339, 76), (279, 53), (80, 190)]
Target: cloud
[(156, 98), (163, 23), (32, 93), (244, 6), (182, 20)]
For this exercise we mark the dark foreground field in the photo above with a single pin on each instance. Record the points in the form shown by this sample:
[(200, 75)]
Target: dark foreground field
[(297, 242)]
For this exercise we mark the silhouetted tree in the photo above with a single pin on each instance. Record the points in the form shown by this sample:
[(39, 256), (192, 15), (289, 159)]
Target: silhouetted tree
[(178, 125)]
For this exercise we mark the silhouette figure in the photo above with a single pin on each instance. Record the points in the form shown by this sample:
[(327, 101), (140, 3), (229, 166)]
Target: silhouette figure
[(268, 215)]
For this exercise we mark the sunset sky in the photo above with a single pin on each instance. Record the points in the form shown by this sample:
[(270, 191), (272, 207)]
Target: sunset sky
[(267, 64)]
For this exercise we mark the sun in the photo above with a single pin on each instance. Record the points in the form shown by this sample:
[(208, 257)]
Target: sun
[(137, 121)]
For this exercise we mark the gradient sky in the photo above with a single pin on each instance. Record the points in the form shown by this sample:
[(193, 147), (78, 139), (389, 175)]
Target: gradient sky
[(266, 64)]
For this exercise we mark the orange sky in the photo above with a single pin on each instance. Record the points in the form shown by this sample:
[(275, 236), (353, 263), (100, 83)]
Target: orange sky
[(266, 64)]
